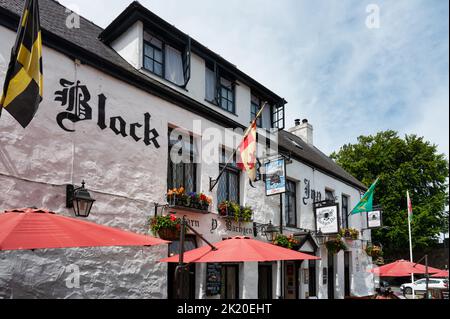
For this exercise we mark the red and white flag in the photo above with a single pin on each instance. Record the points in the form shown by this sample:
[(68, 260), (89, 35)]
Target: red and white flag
[(248, 153), (410, 208)]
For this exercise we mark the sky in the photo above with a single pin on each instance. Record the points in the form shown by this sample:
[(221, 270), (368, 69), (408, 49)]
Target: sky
[(347, 79)]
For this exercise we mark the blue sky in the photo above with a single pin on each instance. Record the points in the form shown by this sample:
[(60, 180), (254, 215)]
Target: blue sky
[(347, 79)]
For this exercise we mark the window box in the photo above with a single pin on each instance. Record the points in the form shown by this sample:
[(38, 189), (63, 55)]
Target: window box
[(193, 202), (234, 211)]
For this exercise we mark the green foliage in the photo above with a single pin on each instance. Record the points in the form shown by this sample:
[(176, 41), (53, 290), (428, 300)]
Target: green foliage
[(285, 241), (234, 210), (334, 246), (402, 164)]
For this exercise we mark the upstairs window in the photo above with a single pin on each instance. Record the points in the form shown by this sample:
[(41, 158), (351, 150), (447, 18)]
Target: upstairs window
[(291, 204), (166, 61), (254, 110), (227, 95), (219, 89), (229, 186), (182, 173), (329, 196), (345, 211), (153, 55)]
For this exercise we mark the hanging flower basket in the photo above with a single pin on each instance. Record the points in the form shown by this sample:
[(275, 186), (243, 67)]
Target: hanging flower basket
[(349, 233), (335, 246), (166, 227), (169, 234), (374, 251)]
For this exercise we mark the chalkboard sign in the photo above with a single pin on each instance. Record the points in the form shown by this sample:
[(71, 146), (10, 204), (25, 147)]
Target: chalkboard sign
[(213, 279)]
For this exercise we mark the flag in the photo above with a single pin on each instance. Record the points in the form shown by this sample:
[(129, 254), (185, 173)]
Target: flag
[(23, 88), (366, 203), (410, 208), (248, 152)]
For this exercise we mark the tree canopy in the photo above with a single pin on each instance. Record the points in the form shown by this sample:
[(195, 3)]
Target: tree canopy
[(403, 164)]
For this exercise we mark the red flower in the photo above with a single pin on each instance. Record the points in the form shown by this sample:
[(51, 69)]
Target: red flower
[(173, 218)]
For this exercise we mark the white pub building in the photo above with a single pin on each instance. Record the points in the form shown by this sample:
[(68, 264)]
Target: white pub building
[(112, 99)]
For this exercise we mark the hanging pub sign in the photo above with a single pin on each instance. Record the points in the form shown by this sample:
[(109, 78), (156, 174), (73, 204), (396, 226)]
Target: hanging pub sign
[(327, 219), (276, 177), (374, 219)]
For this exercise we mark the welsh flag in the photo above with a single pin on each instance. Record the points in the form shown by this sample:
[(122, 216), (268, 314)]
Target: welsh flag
[(410, 208), (248, 152)]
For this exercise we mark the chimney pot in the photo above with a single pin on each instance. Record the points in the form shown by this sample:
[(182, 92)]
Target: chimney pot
[(297, 122), (305, 121)]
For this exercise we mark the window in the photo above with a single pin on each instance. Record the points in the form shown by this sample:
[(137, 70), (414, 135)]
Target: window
[(166, 61), (228, 187), (210, 88), (254, 109), (329, 196), (345, 211), (227, 95), (153, 55), (291, 204), (183, 174)]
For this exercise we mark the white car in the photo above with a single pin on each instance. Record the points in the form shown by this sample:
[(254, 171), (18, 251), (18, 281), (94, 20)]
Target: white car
[(420, 285)]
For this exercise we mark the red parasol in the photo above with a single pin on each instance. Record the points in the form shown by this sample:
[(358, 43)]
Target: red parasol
[(240, 249), (29, 229), (402, 268), (441, 274)]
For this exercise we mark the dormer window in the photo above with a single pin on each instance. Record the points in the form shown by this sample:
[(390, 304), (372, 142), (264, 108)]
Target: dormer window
[(164, 60), (219, 89)]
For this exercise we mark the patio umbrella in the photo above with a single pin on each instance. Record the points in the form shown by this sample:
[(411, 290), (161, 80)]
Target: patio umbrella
[(240, 249), (29, 229), (402, 268), (441, 274)]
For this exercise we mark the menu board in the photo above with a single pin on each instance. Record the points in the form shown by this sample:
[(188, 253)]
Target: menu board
[(213, 279)]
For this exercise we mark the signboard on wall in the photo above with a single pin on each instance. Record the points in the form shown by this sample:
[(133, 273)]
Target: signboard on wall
[(327, 219), (276, 177), (374, 219), (213, 279)]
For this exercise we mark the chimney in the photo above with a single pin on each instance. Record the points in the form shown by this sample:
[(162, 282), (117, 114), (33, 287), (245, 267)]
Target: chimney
[(304, 130)]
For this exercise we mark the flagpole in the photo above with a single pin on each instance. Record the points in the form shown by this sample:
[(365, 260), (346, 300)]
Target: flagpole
[(410, 242), (213, 183)]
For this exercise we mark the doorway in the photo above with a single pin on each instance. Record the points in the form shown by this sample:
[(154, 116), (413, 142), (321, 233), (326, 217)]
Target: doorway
[(230, 282), (265, 282), (347, 273), (312, 279), (291, 284), (331, 277), (189, 244)]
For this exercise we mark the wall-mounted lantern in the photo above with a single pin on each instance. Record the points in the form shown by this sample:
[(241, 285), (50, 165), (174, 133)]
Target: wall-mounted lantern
[(271, 232), (80, 200)]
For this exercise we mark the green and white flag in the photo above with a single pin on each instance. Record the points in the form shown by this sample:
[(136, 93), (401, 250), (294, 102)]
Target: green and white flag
[(366, 203)]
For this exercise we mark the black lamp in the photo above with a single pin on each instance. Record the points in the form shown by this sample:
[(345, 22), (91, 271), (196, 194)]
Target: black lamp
[(80, 200)]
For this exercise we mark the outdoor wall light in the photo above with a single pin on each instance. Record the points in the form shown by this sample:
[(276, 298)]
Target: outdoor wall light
[(80, 200), (271, 232)]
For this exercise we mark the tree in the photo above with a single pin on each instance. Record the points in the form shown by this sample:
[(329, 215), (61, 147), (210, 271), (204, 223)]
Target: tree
[(402, 164)]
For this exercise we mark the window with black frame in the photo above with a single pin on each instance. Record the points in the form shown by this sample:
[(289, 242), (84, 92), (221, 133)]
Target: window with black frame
[(345, 213), (153, 55), (254, 110), (166, 61), (291, 203), (227, 95), (229, 184), (182, 168)]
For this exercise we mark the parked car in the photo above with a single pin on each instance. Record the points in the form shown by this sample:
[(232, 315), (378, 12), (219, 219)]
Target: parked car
[(420, 285)]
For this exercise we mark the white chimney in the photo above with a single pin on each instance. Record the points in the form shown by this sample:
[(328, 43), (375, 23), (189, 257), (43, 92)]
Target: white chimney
[(304, 130)]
